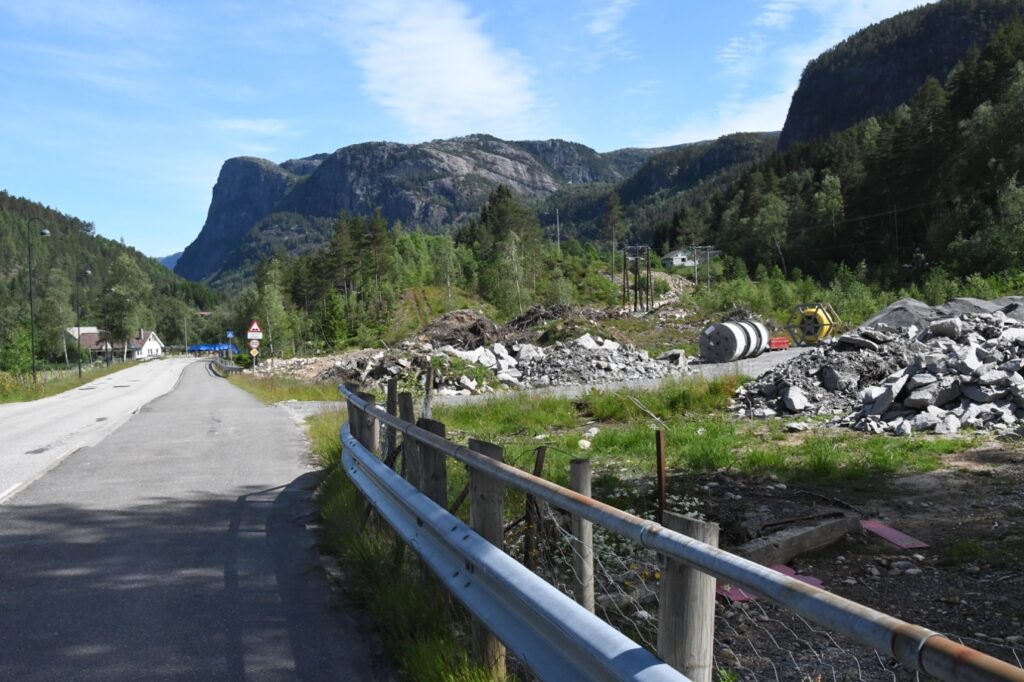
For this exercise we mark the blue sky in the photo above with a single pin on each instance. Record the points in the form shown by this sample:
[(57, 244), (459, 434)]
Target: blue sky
[(121, 113)]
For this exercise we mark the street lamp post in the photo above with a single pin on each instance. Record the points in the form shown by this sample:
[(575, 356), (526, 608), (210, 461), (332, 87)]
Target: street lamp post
[(31, 298), (78, 314)]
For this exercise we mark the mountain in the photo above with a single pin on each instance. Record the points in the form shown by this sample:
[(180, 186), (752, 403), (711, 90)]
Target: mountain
[(882, 66), (170, 261), (659, 185), (258, 205)]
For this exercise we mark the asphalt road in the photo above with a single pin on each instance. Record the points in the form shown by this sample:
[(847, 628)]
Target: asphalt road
[(36, 435), (176, 548)]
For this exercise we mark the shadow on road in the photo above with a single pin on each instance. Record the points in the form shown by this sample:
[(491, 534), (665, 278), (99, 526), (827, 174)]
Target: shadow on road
[(201, 588)]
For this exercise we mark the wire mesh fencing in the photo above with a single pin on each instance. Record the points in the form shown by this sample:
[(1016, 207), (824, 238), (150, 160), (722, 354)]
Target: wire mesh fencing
[(753, 639)]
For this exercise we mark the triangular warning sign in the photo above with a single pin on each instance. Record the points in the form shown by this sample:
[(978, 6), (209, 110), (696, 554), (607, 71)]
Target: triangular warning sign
[(255, 326)]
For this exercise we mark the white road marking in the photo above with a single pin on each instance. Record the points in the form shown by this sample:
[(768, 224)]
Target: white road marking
[(10, 491)]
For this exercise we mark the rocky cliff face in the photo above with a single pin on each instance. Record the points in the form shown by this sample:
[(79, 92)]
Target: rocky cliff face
[(444, 182), (247, 190), (883, 65)]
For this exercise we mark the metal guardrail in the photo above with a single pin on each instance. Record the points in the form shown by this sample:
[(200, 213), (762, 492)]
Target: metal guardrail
[(224, 368), (551, 634), (914, 646)]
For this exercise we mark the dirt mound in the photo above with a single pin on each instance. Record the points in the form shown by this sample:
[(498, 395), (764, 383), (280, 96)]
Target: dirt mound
[(466, 329)]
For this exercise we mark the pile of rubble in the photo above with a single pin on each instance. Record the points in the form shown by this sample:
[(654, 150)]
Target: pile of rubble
[(961, 370), (586, 360)]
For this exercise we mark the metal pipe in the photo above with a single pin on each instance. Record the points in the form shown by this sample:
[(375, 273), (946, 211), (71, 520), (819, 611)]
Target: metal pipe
[(912, 645)]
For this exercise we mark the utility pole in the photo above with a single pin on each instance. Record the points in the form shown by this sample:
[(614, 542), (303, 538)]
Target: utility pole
[(693, 254), (558, 234), (707, 251)]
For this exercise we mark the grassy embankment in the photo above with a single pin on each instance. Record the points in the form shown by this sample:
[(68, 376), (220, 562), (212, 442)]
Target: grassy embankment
[(422, 630), (20, 389)]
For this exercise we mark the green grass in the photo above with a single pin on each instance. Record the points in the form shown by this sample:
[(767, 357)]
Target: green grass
[(274, 389), (417, 623), (20, 389)]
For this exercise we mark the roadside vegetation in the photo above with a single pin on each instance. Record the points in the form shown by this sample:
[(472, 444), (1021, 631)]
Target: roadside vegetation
[(274, 389), (420, 627), (16, 388), (424, 632)]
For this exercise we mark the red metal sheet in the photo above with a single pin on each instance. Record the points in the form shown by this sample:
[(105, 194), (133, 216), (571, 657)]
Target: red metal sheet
[(898, 538), (738, 594)]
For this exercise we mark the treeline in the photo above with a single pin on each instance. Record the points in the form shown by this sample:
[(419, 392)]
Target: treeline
[(375, 282), (932, 186), (119, 289)]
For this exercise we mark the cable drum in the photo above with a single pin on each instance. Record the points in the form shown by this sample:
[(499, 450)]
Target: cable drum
[(730, 341)]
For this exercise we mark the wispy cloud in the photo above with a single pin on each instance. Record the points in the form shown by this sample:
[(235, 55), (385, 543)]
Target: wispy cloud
[(601, 22), (741, 54), (604, 18), (96, 17), (435, 68), (764, 55), (777, 13)]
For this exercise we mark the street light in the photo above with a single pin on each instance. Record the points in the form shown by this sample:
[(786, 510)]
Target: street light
[(31, 300), (78, 314)]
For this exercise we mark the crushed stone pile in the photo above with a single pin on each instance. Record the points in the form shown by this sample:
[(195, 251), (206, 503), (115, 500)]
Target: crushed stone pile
[(586, 360), (954, 371)]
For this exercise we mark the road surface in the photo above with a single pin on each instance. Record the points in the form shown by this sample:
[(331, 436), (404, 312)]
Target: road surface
[(175, 548), (37, 435)]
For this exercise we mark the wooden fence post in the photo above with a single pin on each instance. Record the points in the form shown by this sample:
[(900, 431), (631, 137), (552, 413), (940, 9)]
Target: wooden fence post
[(369, 428), (405, 413), (487, 516), (533, 516), (390, 439), (686, 609), (433, 468), (582, 537), (428, 391)]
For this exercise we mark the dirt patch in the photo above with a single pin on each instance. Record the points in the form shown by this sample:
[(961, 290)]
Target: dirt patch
[(968, 583)]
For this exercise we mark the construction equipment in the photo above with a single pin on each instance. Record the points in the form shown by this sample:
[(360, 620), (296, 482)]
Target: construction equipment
[(811, 323), (728, 341)]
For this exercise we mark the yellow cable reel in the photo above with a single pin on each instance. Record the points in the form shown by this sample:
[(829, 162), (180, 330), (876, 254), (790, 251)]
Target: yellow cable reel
[(811, 323)]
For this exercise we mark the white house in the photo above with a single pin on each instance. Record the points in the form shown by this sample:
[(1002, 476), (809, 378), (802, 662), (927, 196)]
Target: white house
[(145, 346), (678, 258)]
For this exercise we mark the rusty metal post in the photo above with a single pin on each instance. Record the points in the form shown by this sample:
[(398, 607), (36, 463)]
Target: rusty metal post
[(659, 441)]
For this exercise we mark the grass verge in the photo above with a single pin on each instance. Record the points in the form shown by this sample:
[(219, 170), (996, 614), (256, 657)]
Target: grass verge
[(15, 390), (419, 626), (274, 389)]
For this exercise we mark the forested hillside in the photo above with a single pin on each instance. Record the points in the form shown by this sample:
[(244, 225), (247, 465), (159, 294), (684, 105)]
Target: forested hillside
[(375, 281), (125, 290), (932, 187), (882, 66), (659, 187)]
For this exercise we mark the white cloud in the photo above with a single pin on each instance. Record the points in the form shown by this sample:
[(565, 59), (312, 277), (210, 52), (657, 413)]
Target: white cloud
[(741, 55), (604, 19), (434, 68)]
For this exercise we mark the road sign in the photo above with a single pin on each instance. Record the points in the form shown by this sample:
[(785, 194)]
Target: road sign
[(230, 334), (254, 331), (254, 352), (254, 343)]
